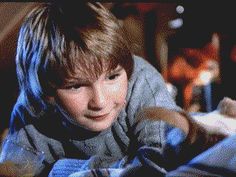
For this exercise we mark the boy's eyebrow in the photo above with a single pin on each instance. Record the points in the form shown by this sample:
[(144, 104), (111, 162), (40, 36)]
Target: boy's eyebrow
[(78, 81), (117, 69)]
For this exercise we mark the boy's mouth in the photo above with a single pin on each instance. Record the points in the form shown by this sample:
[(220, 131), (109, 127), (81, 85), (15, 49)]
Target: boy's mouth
[(97, 117)]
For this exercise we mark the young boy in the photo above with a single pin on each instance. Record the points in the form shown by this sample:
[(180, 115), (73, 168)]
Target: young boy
[(80, 94)]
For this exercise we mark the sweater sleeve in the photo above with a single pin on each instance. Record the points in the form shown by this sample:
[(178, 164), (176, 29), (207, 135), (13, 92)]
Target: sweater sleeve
[(149, 90)]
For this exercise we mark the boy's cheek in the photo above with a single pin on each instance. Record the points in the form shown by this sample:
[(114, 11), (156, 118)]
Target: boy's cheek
[(118, 91), (122, 94)]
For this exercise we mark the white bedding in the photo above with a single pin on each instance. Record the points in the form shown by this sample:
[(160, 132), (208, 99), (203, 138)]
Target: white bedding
[(216, 122)]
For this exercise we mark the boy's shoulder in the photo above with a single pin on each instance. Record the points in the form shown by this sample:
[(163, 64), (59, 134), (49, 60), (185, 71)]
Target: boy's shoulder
[(143, 66), (140, 61), (20, 116)]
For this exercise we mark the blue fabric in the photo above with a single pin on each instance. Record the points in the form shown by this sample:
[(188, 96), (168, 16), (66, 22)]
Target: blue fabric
[(148, 159), (99, 172), (220, 160), (208, 97), (80, 168)]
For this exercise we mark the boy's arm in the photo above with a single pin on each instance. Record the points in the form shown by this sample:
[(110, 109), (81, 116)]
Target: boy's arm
[(182, 138), (193, 129), (150, 91)]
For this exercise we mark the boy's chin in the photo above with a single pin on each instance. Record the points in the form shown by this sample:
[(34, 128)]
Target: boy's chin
[(98, 129)]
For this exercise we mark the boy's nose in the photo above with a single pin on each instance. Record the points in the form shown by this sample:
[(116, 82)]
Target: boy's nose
[(98, 100)]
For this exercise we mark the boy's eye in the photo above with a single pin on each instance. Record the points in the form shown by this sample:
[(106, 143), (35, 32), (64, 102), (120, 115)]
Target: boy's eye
[(113, 76), (73, 87)]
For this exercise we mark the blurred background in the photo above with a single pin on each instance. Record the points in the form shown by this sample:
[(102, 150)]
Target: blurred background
[(192, 44)]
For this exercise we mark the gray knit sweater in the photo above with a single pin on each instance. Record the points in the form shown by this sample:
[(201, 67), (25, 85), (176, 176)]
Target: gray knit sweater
[(59, 139)]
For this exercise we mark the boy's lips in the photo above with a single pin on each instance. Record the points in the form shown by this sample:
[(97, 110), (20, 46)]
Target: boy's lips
[(97, 117)]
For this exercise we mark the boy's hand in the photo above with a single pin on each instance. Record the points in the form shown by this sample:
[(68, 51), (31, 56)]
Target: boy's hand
[(227, 107)]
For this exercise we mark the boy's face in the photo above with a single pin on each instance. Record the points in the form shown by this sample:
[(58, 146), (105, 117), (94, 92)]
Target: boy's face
[(95, 105)]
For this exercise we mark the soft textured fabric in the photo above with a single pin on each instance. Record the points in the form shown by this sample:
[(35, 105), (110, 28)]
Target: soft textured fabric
[(67, 146), (218, 161)]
